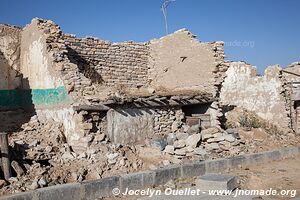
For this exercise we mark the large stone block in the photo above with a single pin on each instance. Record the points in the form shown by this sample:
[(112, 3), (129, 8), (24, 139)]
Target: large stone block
[(216, 182), (19, 196), (131, 181), (148, 178), (236, 161), (62, 192), (255, 158), (215, 166), (101, 188), (165, 174), (272, 155), (193, 169)]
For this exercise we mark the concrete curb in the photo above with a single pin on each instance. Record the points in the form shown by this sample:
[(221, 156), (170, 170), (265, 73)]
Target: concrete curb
[(96, 189)]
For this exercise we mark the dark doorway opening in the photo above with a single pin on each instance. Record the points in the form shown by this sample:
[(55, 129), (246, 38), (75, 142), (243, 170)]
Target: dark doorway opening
[(197, 114)]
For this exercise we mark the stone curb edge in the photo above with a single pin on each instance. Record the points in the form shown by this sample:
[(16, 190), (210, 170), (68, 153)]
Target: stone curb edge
[(96, 189)]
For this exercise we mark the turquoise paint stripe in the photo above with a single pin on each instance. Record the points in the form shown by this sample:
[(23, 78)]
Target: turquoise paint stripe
[(39, 97), (50, 96)]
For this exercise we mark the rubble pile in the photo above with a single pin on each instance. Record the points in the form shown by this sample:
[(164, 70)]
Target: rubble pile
[(193, 142), (41, 156)]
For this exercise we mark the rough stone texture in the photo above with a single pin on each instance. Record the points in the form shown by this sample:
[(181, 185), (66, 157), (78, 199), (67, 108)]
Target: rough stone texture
[(291, 75), (292, 72), (168, 120), (19, 196), (263, 95), (117, 64), (103, 187), (86, 72), (216, 182), (9, 56)]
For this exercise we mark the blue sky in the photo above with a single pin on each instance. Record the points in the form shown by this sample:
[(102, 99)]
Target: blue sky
[(260, 32)]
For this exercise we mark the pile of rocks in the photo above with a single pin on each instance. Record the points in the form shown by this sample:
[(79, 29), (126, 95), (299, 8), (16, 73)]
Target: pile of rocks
[(40, 161), (192, 142)]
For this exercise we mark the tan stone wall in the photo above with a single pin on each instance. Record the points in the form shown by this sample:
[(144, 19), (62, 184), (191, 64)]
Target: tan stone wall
[(291, 74), (294, 75), (9, 57), (180, 62), (262, 94), (94, 70), (117, 64), (88, 67)]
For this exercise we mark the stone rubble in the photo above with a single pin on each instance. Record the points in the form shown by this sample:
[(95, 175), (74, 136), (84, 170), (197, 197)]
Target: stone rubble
[(39, 161), (200, 142), (95, 72)]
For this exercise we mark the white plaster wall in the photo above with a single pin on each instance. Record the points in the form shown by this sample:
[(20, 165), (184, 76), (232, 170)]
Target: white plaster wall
[(130, 126), (67, 117), (261, 94), (36, 63)]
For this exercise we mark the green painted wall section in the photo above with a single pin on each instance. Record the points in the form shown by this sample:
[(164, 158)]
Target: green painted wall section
[(38, 97)]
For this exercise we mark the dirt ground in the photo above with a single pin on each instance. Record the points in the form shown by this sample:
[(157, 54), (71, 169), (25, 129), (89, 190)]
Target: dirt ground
[(278, 175)]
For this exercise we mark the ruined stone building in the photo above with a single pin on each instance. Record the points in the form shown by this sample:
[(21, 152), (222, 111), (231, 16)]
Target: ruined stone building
[(273, 96), (83, 109), (133, 91), (129, 91)]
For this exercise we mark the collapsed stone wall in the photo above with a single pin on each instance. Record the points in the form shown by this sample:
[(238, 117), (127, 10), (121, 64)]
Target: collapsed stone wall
[(10, 40), (168, 120), (47, 82), (291, 74), (9, 65), (265, 95), (135, 65), (117, 64), (179, 61), (65, 71)]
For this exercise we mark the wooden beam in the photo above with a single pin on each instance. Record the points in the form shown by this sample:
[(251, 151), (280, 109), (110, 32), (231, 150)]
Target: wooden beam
[(99, 107), (5, 156)]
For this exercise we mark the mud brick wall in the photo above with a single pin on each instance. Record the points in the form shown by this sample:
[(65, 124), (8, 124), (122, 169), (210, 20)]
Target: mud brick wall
[(113, 64), (265, 95)]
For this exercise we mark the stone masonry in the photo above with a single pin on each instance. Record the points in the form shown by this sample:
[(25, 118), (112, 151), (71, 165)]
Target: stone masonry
[(95, 71)]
